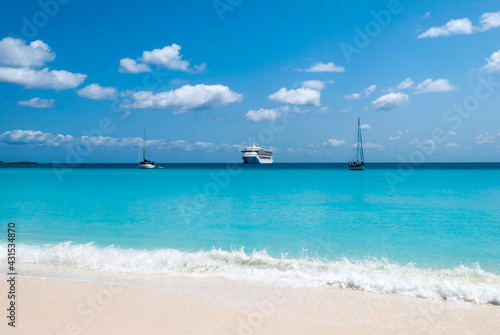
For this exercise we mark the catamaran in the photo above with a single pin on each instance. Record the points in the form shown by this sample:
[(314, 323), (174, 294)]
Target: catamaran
[(358, 162), (144, 163)]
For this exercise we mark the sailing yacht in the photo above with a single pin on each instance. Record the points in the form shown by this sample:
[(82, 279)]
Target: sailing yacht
[(358, 162), (144, 163)]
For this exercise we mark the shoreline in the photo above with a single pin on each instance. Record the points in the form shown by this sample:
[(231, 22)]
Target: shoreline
[(195, 306)]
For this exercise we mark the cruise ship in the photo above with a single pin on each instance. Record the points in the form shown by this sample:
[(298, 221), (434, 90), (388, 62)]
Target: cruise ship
[(256, 155)]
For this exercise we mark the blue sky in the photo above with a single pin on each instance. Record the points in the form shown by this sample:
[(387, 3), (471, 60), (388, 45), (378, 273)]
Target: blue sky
[(80, 80)]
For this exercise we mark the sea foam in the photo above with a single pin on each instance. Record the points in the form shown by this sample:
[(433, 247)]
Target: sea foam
[(463, 283)]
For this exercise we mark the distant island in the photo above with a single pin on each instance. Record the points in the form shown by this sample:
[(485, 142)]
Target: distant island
[(21, 162)]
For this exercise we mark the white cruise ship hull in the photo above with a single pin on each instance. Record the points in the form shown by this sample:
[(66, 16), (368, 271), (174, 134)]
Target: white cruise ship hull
[(257, 160)]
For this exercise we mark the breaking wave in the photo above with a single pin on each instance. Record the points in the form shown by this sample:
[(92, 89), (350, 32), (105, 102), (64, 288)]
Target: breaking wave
[(463, 283)]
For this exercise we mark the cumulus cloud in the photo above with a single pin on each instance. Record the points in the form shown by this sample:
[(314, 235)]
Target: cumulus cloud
[(317, 85), (37, 103), (15, 52), (354, 96), (44, 78), (322, 67), (452, 27), (129, 65), (271, 114), (493, 63), (489, 21), (485, 138), (116, 142), (451, 145), (364, 93), (262, 114), (390, 101), (184, 145), (438, 85), (334, 143), (464, 26), (407, 83), (39, 138), (301, 96), (365, 126), (97, 92), (168, 57), (34, 137), (184, 98), (21, 63)]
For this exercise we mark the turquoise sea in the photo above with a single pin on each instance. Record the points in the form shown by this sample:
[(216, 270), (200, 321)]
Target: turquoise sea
[(431, 232)]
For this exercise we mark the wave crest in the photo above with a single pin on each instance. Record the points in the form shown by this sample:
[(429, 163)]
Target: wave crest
[(462, 283)]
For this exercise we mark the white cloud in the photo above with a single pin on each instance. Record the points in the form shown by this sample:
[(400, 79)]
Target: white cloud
[(451, 145), (168, 57), (397, 137), (489, 20), (37, 103), (262, 115), (493, 63), (44, 78), (269, 114), (317, 85), (464, 26), (346, 110), (354, 96), (39, 138), (117, 142), (184, 145), (15, 52), (426, 15), (34, 137), (369, 145), (97, 92), (334, 143), (364, 93), (129, 65), (390, 101), (368, 91), (322, 67), (365, 126), (452, 27), (485, 138), (22, 64), (407, 83), (300, 96), (431, 86), (451, 133), (184, 98), (428, 145)]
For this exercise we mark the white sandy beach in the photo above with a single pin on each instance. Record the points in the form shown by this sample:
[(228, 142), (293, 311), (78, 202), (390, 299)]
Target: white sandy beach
[(206, 306)]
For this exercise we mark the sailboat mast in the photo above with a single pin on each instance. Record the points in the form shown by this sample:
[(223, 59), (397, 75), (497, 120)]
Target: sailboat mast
[(144, 144), (360, 144)]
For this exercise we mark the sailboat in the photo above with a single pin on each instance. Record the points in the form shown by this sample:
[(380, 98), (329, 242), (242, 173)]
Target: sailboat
[(358, 162), (144, 163)]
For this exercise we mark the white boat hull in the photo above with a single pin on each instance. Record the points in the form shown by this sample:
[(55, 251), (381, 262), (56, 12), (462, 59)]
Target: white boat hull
[(146, 166)]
